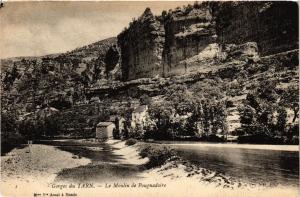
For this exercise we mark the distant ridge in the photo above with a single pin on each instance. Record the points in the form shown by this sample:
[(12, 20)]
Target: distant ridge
[(93, 46)]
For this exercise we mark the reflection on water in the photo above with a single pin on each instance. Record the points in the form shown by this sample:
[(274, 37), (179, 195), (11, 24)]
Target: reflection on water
[(269, 167)]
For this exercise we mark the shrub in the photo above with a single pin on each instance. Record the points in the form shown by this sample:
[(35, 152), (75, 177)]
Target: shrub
[(116, 134), (130, 142), (212, 138), (197, 5), (157, 156), (149, 134), (259, 139), (10, 142), (295, 140), (10, 137), (136, 134)]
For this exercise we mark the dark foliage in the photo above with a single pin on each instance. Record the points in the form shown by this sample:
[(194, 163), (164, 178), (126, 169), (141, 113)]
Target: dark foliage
[(260, 139), (111, 58), (10, 137), (212, 138), (130, 142), (157, 155), (263, 115)]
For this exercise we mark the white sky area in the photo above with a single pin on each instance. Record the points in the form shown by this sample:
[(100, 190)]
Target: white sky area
[(40, 28)]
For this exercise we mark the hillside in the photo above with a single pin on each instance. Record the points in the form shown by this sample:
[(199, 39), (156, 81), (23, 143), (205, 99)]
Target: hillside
[(41, 80)]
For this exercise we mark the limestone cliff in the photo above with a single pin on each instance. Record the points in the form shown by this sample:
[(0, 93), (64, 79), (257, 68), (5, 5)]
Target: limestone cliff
[(141, 47), (188, 32), (273, 25), (160, 45)]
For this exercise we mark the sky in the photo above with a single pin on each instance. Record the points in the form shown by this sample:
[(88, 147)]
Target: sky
[(40, 28)]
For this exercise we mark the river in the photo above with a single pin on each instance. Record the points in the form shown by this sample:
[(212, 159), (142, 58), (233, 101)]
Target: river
[(257, 164)]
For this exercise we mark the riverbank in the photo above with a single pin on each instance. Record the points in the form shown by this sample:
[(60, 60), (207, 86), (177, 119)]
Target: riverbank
[(107, 164), (179, 173), (35, 165), (129, 154)]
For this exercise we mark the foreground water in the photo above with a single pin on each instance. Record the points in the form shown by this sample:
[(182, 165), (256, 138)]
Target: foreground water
[(257, 164)]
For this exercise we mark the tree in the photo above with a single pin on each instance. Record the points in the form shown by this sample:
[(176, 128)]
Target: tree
[(186, 111), (197, 4), (8, 124), (52, 125), (161, 114), (247, 114), (10, 137), (210, 106), (148, 11), (257, 112), (116, 132), (281, 120), (145, 99), (251, 100), (290, 99), (180, 98), (10, 77), (266, 91), (164, 14), (264, 119)]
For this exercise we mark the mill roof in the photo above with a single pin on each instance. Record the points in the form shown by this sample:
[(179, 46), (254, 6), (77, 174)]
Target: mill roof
[(104, 124), (140, 109)]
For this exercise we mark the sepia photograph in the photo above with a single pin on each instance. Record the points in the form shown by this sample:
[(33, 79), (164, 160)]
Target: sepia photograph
[(149, 98)]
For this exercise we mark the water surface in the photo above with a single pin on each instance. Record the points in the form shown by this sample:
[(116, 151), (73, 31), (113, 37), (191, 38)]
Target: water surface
[(258, 166)]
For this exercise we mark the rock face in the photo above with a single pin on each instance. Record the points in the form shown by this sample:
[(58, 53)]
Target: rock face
[(188, 32), (273, 25), (154, 46), (141, 47)]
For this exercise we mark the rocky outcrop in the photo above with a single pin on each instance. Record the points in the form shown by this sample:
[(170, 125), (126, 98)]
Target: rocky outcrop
[(189, 31), (141, 47)]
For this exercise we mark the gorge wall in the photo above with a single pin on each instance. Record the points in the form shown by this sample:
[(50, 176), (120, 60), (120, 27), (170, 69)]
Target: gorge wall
[(273, 25), (141, 47), (154, 46), (188, 32)]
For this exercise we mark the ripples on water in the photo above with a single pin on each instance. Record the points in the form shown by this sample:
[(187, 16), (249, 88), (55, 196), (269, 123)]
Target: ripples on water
[(256, 166)]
